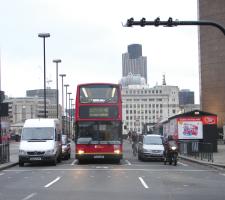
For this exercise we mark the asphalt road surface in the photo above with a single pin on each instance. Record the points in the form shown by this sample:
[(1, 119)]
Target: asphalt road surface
[(129, 180)]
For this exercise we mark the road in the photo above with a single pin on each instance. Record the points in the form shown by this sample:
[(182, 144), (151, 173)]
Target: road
[(130, 180)]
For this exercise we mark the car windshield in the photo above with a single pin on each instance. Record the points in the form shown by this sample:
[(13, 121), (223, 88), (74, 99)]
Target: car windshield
[(40, 133), (152, 140)]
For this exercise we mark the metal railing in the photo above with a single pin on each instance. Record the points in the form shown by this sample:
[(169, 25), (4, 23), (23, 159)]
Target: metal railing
[(198, 150), (4, 153)]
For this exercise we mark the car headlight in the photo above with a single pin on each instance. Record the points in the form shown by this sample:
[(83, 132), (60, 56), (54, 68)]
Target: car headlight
[(145, 150), (173, 148), (50, 152), (22, 152)]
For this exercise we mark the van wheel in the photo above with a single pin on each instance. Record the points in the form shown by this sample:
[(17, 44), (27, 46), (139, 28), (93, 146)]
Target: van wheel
[(21, 164)]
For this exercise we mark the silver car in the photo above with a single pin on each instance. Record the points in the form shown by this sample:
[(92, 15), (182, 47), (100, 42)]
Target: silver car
[(150, 147)]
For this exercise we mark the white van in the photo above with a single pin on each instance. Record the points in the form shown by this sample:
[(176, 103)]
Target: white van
[(40, 141)]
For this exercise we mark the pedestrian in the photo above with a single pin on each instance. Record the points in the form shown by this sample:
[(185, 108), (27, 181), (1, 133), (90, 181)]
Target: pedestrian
[(129, 136)]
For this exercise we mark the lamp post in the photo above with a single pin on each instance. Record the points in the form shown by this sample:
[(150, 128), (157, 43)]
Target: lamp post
[(69, 93), (62, 76), (66, 86), (70, 105), (44, 35), (57, 91)]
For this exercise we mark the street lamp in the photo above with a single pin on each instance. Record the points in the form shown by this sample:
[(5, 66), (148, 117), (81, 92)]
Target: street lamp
[(44, 35), (66, 86), (62, 76), (57, 91), (70, 107), (69, 93)]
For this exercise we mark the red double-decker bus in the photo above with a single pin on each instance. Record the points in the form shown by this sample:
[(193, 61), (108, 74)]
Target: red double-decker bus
[(98, 119)]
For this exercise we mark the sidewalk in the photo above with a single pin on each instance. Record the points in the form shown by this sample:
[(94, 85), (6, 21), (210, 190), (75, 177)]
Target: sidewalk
[(14, 148), (218, 158)]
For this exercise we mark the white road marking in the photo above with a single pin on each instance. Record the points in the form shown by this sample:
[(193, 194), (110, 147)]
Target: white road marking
[(222, 174), (2, 174), (73, 163), (143, 182), (99, 167), (29, 196), (128, 162), (185, 165), (116, 169), (54, 181)]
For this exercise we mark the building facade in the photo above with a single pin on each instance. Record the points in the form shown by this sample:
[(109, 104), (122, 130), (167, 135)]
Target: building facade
[(212, 59), (142, 105), (51, 94), (133, 62), (23, 108), (186, 97)]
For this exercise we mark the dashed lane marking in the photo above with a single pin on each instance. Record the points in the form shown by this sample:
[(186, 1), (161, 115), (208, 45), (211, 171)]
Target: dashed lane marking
[(127, 162), (2, 174), (51, 183), (185, 165), (73, 163), (143, 182), (29, 196)]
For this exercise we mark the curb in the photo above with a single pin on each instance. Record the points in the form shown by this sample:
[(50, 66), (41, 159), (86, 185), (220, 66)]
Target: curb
[(213, 165), (8, 165)]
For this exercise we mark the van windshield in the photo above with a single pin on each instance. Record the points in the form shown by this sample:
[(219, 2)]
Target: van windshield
[(153, 140), (45, 133)]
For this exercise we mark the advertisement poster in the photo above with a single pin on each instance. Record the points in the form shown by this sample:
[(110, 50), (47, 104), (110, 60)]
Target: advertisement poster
[(190, 128)]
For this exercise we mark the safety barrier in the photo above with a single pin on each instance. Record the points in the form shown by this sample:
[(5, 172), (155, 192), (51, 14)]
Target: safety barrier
[(198, 150), (4, 153)]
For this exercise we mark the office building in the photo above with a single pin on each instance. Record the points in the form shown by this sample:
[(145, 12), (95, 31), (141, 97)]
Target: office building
[(142, 104), (133, 62), (51, 94), (186, 97)]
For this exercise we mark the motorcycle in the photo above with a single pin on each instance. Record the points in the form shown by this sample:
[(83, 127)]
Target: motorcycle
[(171, 155)]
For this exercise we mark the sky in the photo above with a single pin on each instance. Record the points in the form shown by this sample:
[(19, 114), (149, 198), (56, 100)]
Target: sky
[(88, 36)]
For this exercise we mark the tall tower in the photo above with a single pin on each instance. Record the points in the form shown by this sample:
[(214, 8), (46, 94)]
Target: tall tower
[(212, 59), (133, 61)]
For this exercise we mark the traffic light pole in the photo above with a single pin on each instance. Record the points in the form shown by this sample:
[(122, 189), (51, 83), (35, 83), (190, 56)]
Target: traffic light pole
[(170, 23)]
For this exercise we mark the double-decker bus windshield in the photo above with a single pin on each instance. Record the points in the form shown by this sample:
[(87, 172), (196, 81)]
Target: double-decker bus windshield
[(99, 132), (98, 94)]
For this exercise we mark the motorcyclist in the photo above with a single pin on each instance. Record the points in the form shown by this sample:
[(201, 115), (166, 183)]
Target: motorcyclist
[(170, 145)]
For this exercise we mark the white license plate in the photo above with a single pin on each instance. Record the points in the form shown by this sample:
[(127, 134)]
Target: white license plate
[(98, 156), (35, 158)]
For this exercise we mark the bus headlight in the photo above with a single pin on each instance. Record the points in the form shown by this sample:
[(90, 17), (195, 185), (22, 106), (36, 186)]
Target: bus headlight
[(117, 151), (80, 151)]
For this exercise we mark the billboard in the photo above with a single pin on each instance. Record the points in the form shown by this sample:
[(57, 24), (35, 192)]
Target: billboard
[(190, 128)]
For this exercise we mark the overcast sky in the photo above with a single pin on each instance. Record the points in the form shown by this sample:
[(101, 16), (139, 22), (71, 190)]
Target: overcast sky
[(88, 37)]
